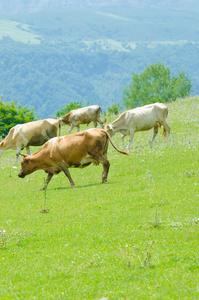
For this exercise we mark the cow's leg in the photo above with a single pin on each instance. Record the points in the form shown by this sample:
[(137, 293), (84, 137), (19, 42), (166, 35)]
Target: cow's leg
[(123, 136), (78, 129), (106, 165), (166, 126), (131, 139), (154, 132), (18, 153), (164, 132), (67, 173), (95, 123), (48, 179), (100, 122), (71, 127), (28, 150)]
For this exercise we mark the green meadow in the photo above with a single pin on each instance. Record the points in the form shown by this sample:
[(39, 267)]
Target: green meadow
[(135, 237)]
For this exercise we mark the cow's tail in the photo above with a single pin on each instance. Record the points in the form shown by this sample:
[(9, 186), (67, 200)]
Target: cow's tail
[(103, 115), (109, 137), (164, 132)]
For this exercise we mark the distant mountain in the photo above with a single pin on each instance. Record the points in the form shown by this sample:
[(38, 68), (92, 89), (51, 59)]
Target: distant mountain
[(51, 58), (21, 6)]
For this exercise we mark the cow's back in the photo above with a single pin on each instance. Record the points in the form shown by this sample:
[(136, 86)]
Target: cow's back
[(11, 139), (85, 115), (161, 110), (145, 117), (38, 132), (38, 125), (75, 147)]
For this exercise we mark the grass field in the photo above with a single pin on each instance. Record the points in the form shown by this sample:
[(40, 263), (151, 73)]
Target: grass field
[(18, 32), (135, 237)]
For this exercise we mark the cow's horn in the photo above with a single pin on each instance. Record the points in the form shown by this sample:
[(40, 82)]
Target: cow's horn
[(22, 154)]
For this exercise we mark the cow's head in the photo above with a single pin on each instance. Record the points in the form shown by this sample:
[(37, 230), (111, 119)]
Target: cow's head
[(25, 166), (108, 128), (65, 119)]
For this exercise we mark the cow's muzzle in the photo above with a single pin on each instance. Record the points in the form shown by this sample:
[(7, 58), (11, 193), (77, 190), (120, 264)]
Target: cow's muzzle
[(21, 175)]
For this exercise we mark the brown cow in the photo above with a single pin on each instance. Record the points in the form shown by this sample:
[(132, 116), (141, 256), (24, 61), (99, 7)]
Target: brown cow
[(34, 133), (77, 150), (83, 115)]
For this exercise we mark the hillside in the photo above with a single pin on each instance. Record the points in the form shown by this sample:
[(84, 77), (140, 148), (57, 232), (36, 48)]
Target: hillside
[(50, 59), (135, 235)]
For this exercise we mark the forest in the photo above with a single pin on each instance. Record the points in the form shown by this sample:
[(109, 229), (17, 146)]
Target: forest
[(90, 56)]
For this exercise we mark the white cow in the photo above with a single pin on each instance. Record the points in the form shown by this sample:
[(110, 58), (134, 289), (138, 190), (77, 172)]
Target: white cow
[(34, 133), (83, 115), (140, 119)]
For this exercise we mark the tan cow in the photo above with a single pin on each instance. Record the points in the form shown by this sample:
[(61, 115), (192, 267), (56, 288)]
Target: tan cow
[(34, 133), (83, 115), (76, 150), (140, 119)]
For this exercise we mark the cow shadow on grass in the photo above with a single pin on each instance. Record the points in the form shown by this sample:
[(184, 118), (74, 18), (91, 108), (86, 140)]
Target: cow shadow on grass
[(82, 186)]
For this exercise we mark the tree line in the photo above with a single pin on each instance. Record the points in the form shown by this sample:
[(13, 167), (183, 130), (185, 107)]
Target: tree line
[(48, 76), (154, 84)]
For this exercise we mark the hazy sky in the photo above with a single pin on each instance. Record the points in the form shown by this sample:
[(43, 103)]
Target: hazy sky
[(18, 6)]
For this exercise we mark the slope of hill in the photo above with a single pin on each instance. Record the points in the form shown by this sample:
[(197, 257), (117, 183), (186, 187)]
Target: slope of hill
[(135, 235)]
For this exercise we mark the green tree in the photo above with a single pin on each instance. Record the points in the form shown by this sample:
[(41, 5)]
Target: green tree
[(68, 108), (12, 114), (114, 109), (155, 84), (180, 86)]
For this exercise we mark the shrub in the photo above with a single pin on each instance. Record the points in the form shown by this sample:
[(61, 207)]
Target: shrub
[(114, 109), (68, 108), (12, 114)]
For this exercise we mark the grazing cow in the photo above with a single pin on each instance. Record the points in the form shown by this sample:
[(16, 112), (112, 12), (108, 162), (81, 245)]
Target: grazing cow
[(77, 150), (34, 133), (83, 115), (140, 119)]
